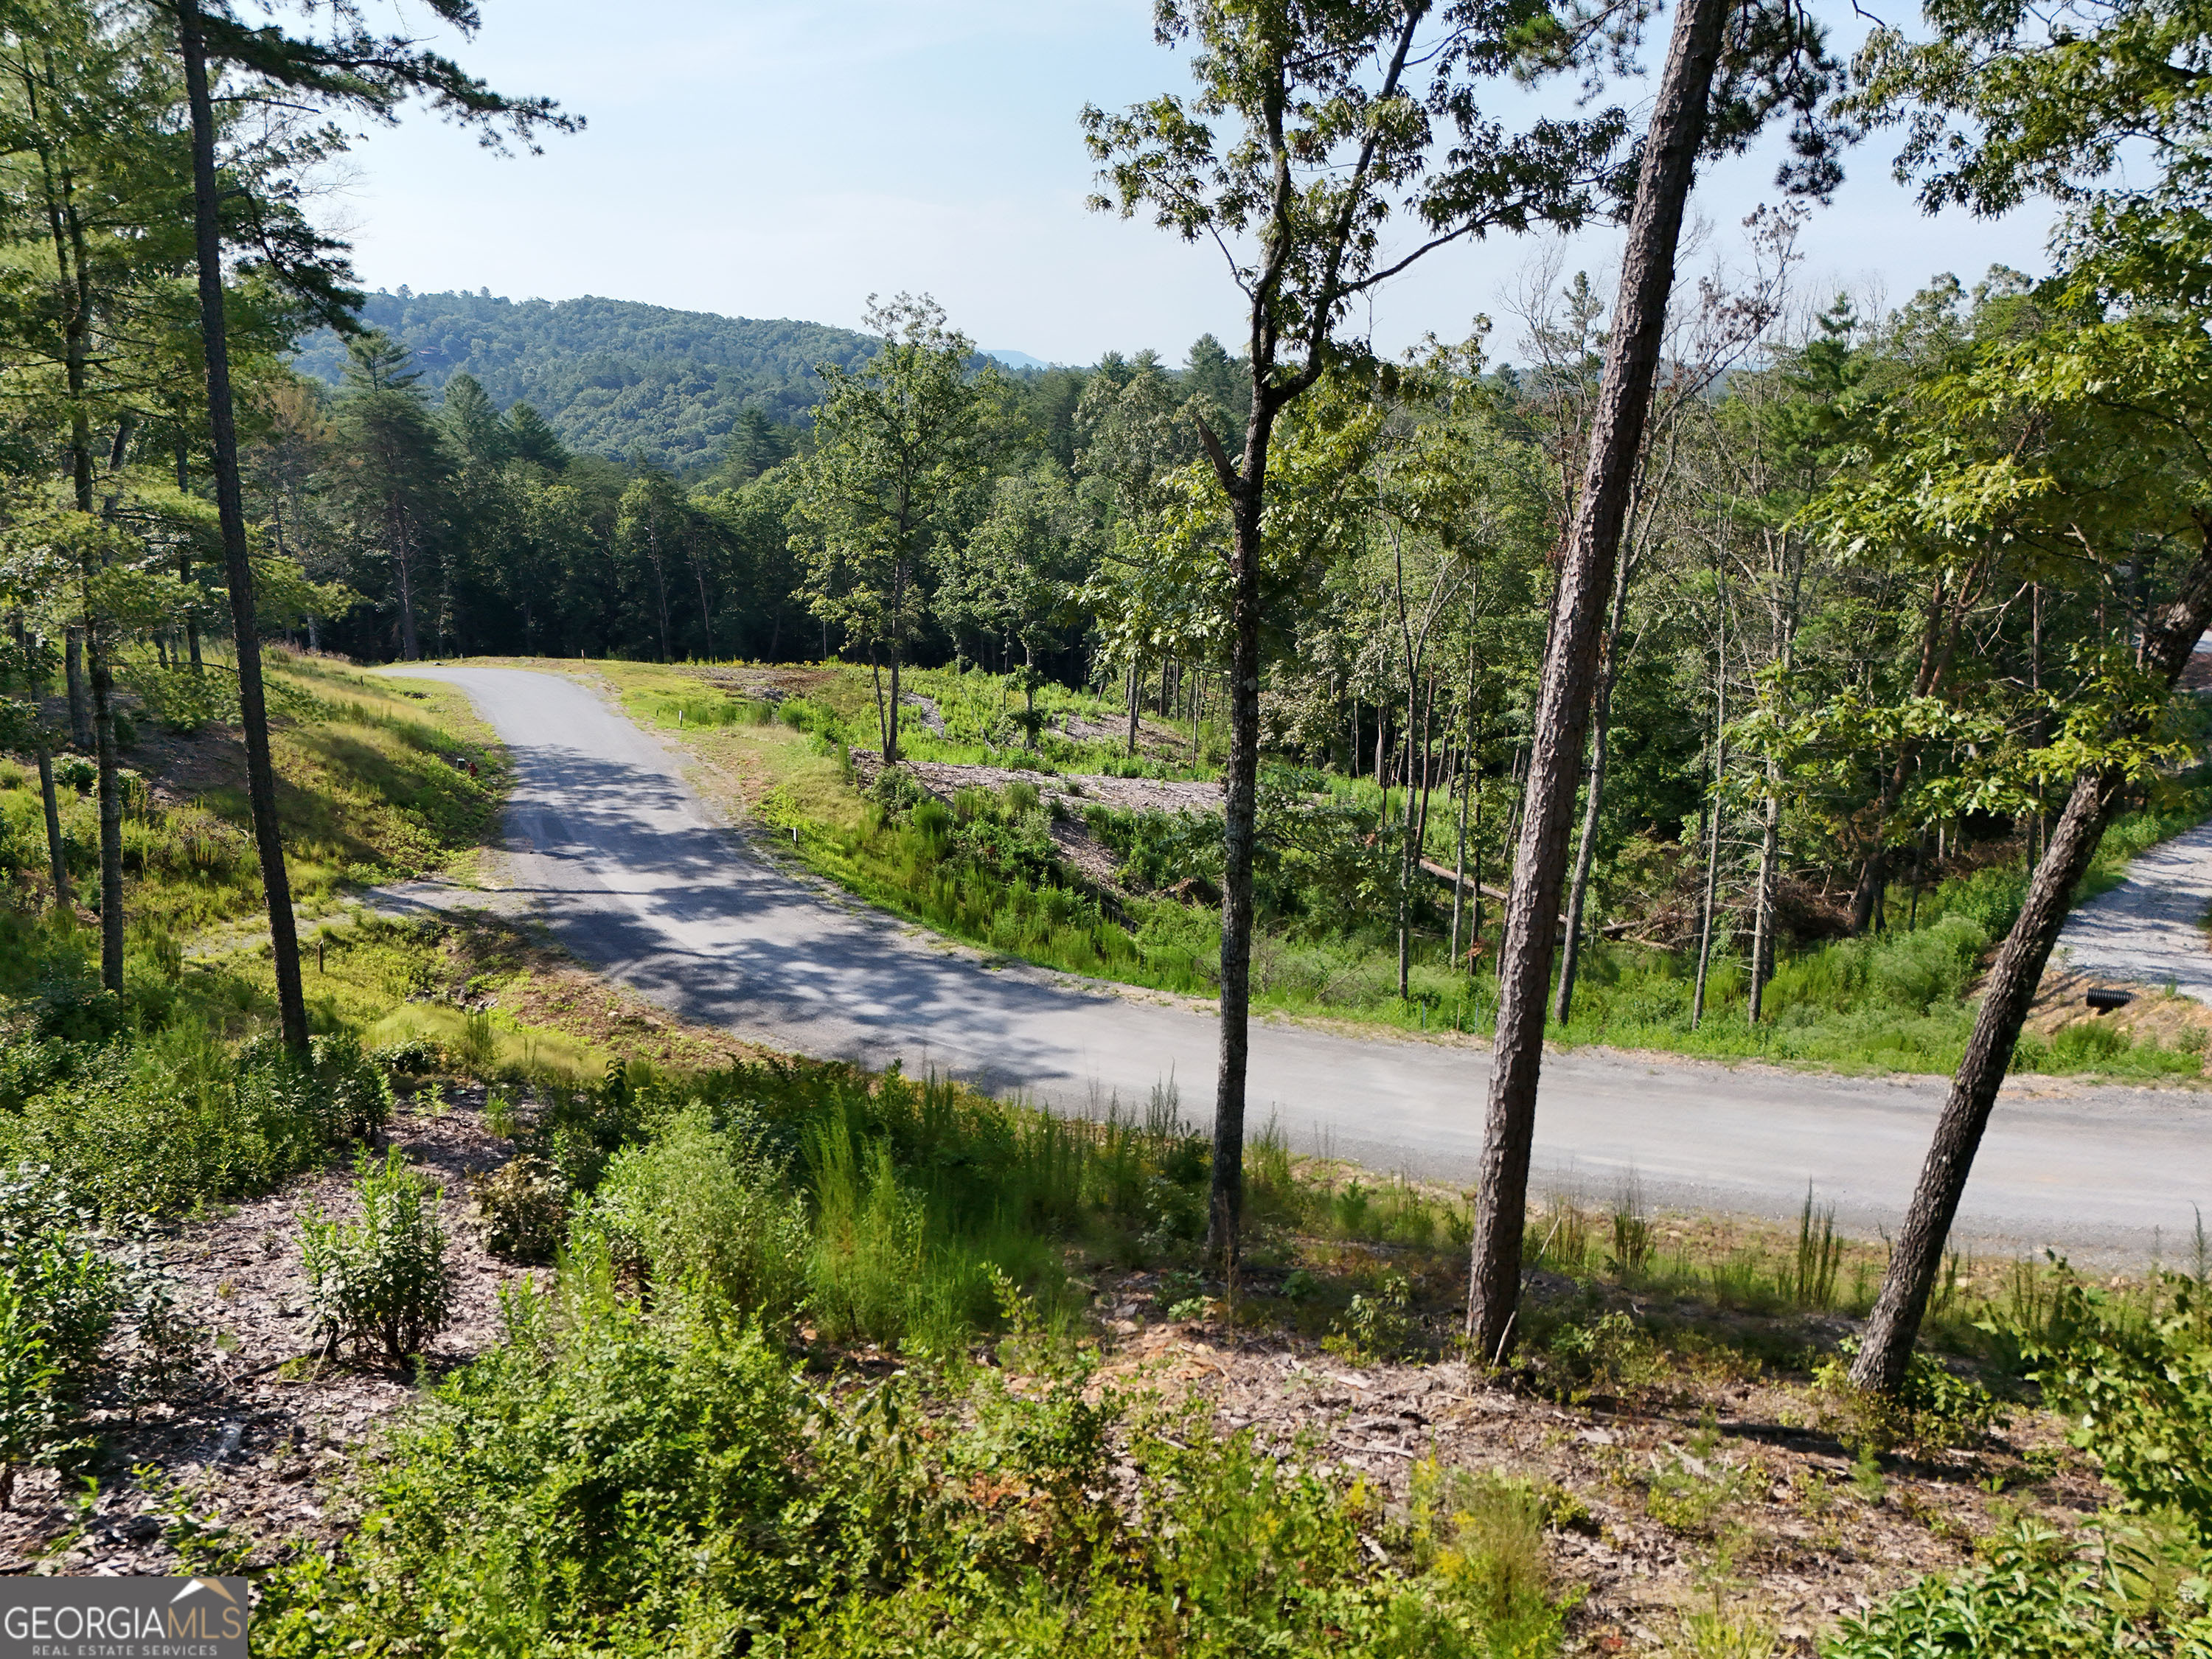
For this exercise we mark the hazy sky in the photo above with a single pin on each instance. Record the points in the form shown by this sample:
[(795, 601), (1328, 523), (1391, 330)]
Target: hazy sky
[(771, 158)]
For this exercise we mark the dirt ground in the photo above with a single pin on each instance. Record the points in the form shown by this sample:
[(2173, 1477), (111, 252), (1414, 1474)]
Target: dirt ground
[(259, 1438), (1771, 1515), (2060, 1001), (1076, 789)]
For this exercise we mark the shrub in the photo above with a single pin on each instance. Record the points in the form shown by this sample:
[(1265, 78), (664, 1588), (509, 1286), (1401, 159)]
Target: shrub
[(383, 1281), (418, 1055), (2139, 1392), (28, 1375), (64, 1288), (181, 1120), (523, 1207), (700, 1208), (355, 1095), (2035, 1597), (1483, 1535)]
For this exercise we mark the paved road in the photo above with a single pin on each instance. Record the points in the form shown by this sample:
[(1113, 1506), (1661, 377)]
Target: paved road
[(2150, 929), (638, 877)]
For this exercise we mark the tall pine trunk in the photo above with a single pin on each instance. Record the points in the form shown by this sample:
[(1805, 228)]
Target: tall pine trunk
[(80, 708), (1669, 164), (1885, 1349), (230, 512), (55, 847), (111, 815), (1225, 1202)]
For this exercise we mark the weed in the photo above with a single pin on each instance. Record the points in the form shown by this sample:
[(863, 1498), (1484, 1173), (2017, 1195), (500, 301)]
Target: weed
[(383, 1282), (1819, 1257), (1724, 1629), (1374, 1327), (1686, 1491), (1633, 1238), (1483, 1534)]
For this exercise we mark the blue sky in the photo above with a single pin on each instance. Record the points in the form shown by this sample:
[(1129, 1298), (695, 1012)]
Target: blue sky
[(766, 158)]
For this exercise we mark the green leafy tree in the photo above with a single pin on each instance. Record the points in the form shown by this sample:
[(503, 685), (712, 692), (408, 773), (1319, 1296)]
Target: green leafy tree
[(1312, 122), (1016, 574), (1999, 107), (898, 448), (396, 477), (346, 67)]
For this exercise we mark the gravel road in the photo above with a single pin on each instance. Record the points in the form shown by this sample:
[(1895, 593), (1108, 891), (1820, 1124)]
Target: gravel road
[(2149, 930), (641, 877)]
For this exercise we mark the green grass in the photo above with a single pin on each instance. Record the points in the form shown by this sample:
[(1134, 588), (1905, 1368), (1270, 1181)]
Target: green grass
[(366, 794)]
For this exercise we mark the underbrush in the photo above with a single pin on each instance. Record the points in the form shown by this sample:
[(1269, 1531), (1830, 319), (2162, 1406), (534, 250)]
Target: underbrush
[(2135, 1381), (619, 1479)]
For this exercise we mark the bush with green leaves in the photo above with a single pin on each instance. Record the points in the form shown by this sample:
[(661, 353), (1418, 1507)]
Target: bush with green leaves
[(618, 1479), (701, 1209), (86, 1315), (524, 1208), (2137, 1391), (177, 1120), (27, 1378), (383, 1283), (2040, 1594), (416, 1055)]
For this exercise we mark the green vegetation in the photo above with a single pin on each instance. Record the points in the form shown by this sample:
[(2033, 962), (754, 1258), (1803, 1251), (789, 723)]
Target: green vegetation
[(382, 1283), (610, 376)]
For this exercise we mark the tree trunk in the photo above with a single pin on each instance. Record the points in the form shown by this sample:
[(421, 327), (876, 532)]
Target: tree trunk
[(56, 848), (2098, 792), (1713, 842), (1669, 164), (1594, 801), (1470, 781), (1136, 690), (80, 710), (111, 817), (1770, 871), (898, 635), (254, 713), (1225, 1202), (1408, 849), (883, 717), (706, 617), (1585, 856), (403, 564)]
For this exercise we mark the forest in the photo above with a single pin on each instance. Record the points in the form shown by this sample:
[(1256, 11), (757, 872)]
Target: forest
[(1691, 658), (612, 378)]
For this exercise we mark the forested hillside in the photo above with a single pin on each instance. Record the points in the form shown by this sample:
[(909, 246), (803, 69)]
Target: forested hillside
[(610, 376)]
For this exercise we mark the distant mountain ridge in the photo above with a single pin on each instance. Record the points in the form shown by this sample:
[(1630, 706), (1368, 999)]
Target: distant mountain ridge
[(609, 376)]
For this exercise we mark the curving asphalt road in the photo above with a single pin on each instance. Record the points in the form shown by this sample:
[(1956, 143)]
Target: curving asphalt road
[(637, 876)]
